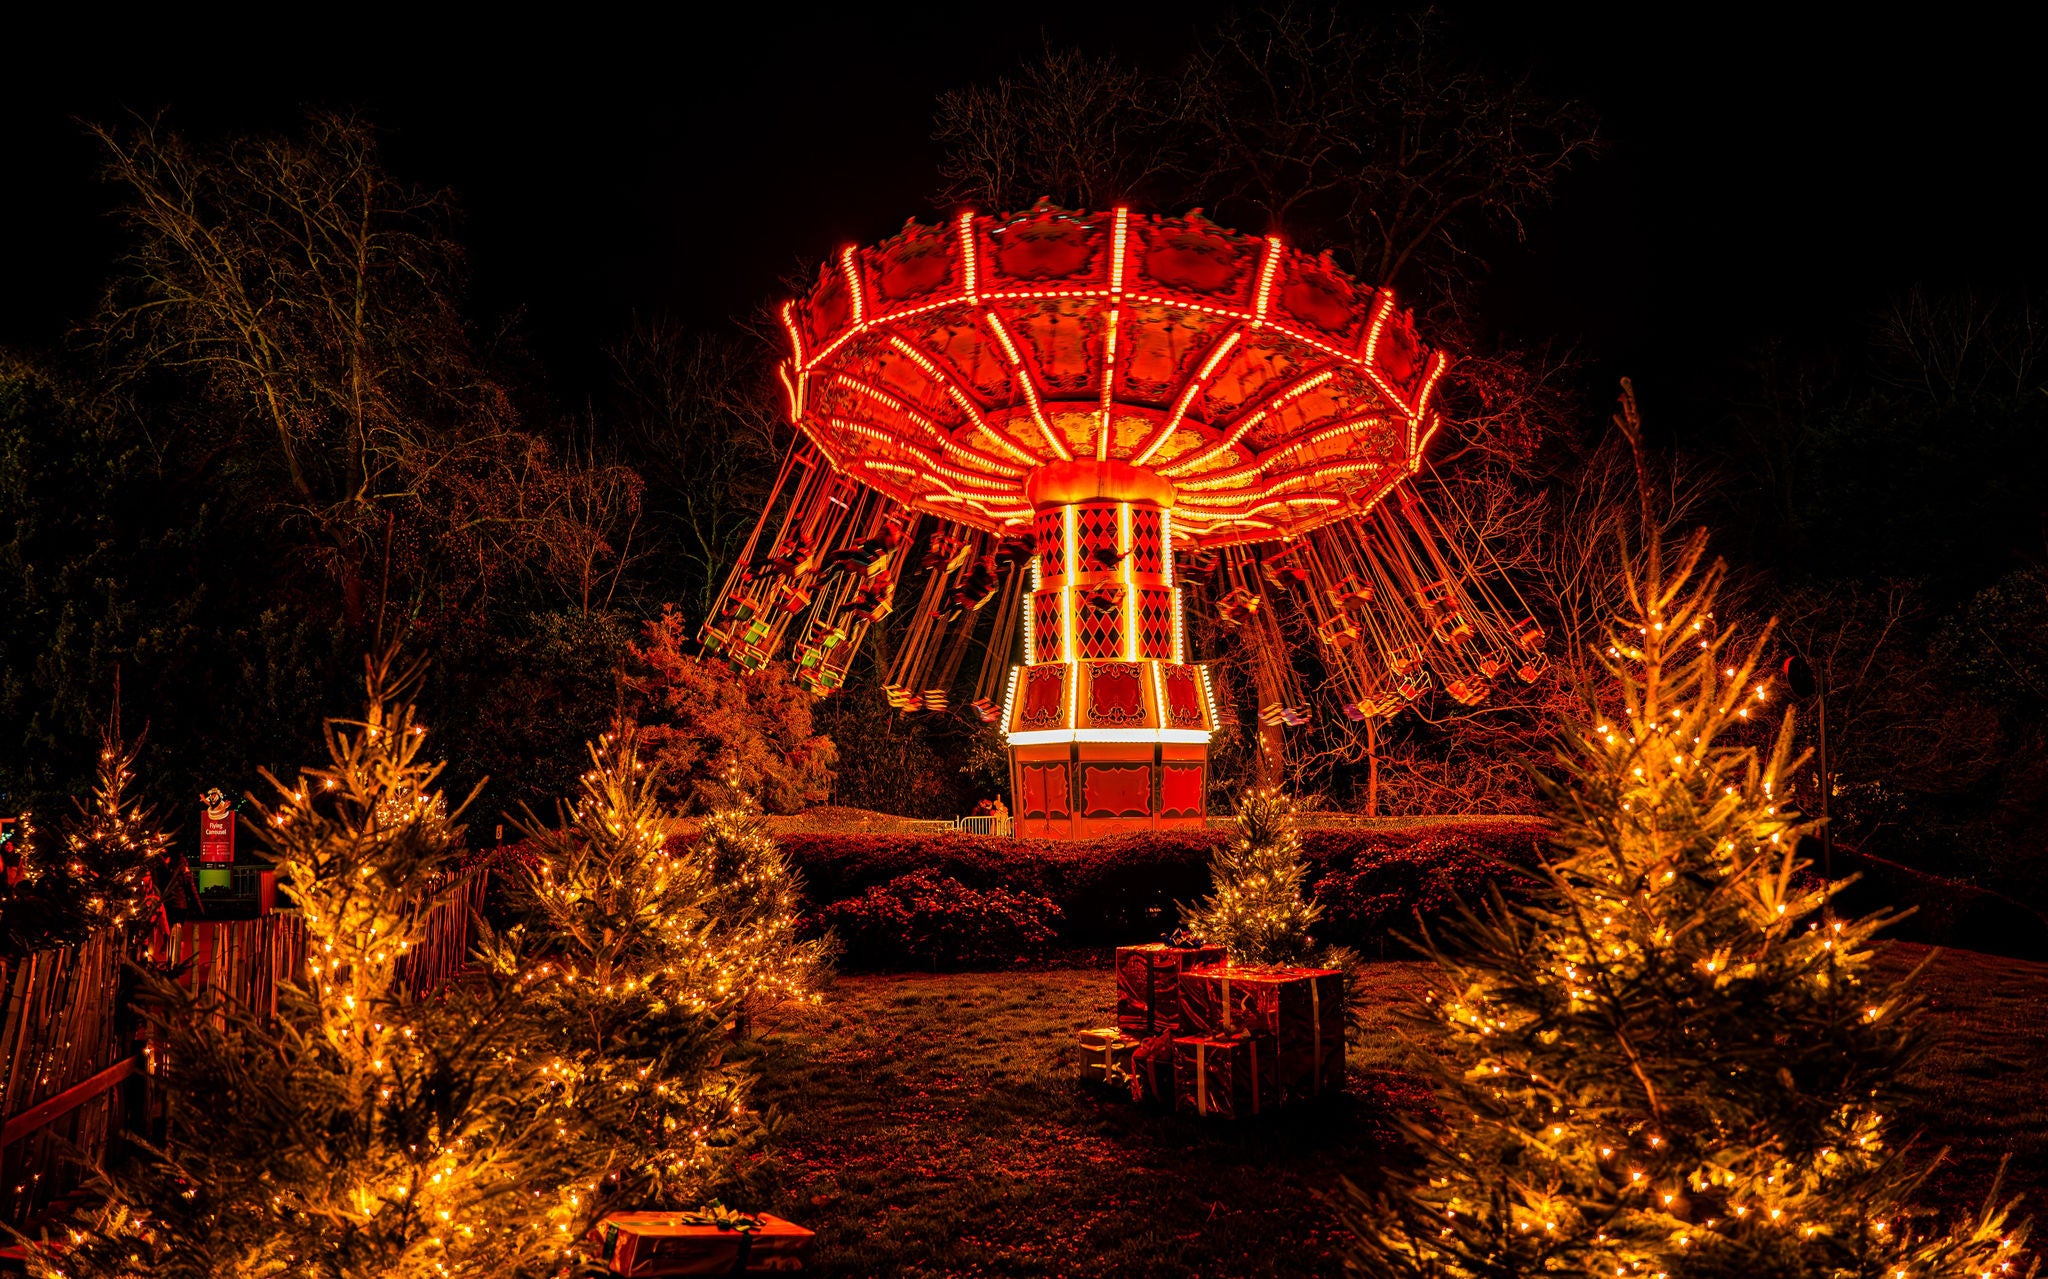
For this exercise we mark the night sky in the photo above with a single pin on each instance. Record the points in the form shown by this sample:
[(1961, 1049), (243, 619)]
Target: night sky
[(1769, 175)]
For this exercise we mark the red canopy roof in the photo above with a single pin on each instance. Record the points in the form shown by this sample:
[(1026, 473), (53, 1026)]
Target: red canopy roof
[(1271, 390)]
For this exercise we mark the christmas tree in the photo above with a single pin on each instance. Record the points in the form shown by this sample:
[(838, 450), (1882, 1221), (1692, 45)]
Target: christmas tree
[(101, 872), (638, 955), (1258, 911), (754, 904), (114, 842), (1676, 1061), (365, 1131)]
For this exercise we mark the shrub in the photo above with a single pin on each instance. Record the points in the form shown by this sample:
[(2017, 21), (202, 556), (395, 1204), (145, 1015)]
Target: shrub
[(928, 918), (1375, 891), (1125, 888)]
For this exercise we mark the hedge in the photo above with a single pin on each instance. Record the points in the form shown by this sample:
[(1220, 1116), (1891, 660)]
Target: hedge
[(1123, 889)]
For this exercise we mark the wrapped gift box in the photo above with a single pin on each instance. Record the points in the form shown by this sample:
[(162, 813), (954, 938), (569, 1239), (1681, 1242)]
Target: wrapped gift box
[(701, 1243), (1106, 1054), (1229, 1076), (1148, 985), (1301, 1008), (1152, 1070)]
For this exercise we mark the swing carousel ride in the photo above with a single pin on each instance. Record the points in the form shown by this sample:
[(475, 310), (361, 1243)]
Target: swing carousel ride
[(1083, 425)]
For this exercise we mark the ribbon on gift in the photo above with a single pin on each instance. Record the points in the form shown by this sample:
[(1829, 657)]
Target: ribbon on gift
[(721, 1217), (1251, 1047), (1315, 1015)]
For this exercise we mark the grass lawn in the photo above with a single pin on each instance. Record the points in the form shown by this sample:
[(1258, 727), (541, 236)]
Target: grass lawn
[(938, 1125)]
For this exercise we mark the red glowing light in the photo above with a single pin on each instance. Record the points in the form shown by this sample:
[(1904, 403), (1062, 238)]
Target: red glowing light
[(945, 364)]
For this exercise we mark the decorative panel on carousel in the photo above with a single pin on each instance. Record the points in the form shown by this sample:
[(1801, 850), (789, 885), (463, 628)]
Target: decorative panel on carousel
[(1115, 695), (1187, 706), (1042, 790), (1180, 789), (1041, 699), (1116, 790)]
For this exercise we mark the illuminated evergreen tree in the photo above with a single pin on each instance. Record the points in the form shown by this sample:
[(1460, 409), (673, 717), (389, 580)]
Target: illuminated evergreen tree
[(100, 873), (1675, 1061), (27, 911), (1258, 911), (364, 1132), (113, 842), (754, 904), (643, 952)]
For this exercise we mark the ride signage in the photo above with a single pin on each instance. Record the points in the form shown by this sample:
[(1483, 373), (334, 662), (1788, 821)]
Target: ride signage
[(216, 829)]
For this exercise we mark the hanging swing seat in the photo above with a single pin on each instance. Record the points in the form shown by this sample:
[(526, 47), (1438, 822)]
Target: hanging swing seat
[(1339, 631)]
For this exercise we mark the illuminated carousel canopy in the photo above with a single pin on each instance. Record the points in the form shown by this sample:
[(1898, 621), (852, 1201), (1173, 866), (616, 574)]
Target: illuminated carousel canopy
[(998, 364), (1046, 437)]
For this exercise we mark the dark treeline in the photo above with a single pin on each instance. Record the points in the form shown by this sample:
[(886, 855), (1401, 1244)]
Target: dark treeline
[(288, 435)]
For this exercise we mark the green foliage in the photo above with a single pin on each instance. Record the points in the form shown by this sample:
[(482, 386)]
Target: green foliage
[(100, 870), (365, 1132), (1258, 911), (1673, 1061), (637, 955), (706, 722)]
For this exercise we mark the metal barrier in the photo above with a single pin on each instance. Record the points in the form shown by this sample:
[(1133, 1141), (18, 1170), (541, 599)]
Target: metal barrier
[(987, 825)]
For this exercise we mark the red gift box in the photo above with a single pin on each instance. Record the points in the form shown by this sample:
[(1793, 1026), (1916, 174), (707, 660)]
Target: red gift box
[(1301, 1008), (1148, 985), (640, 1244), (1106, 1054), (1152, 1070), (1228, 1076)]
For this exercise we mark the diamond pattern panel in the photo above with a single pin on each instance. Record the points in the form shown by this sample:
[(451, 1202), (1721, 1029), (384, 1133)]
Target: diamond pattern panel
[(1100, 633), (1155, 622), (1047, 635), (1096, 526), (1145, 540), (1052, 543)]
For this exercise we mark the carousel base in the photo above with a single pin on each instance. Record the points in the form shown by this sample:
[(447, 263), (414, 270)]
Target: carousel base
[(1084, 790)]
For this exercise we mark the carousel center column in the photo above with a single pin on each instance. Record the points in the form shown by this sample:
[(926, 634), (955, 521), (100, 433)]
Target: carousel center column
[(1108, 723)]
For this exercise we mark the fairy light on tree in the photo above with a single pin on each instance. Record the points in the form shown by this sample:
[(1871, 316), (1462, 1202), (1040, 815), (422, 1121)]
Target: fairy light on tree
[(637, 954), (113, 842), (754, 904), (99, 872), (363, 1132), (1258, 911), (1674, 1061)]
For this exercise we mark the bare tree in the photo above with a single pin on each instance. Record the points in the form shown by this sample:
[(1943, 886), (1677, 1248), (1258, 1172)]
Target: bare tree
[(1081, 130), (703, 415), (317, 301), (1373, 141)]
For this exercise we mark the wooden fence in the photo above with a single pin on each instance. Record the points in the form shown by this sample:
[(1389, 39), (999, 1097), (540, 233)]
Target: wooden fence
[(68, 1042), (61, 1053)]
